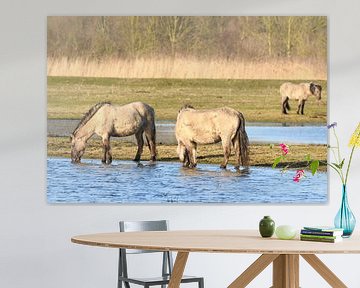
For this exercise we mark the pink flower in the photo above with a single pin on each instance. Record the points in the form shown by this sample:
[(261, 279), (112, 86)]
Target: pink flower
[(299, 174), (284, 148)]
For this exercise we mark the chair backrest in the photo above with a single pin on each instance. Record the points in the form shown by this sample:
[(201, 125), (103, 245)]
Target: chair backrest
[(134, 226)]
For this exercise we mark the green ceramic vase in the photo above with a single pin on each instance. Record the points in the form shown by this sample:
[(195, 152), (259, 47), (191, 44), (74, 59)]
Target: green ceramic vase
[(266, 226)]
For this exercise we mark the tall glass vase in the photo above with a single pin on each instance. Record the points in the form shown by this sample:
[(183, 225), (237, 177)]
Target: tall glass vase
[(345, 219)]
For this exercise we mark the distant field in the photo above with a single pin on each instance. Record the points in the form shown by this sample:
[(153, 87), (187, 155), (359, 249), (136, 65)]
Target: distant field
[(259, 100)]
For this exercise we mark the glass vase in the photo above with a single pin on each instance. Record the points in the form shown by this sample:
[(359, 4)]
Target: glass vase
[(345, 219)]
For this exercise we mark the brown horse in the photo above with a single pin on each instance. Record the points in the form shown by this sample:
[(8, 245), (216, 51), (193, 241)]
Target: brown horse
[(211, 126), (299, 92), (106, 120)]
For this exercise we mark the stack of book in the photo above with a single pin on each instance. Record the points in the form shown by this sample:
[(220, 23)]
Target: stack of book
[(321, 234)]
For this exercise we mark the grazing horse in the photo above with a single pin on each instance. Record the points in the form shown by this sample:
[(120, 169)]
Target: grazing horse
[(211, 126), (300, 92), (106, 120)]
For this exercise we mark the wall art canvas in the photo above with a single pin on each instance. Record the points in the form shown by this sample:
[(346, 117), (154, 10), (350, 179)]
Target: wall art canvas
[(178, 109)]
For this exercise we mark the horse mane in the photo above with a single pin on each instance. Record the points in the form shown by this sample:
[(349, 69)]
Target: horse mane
[(88, 115), (186, 106)]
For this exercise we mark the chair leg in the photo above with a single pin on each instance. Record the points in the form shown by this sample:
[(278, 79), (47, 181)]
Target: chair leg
[(201, 283)]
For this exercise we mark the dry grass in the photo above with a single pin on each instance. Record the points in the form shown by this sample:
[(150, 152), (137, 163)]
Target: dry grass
[(260, 155), (189, 68)]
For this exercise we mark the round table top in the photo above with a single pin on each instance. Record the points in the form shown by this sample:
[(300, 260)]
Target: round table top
[(220, 241)]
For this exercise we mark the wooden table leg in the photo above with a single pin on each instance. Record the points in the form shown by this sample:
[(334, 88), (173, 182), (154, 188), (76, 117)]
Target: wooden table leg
[(253, 270), (178, 270), (286, 271), (324, 271)]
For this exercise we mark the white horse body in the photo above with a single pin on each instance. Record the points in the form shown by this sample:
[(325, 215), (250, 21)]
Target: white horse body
[(107, 120), (299, 92), (211, 126)]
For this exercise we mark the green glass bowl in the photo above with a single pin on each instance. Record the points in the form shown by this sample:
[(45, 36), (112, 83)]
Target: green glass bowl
[(286, 232)]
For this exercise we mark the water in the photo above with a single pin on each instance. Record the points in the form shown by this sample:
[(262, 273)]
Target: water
[(166, 182), (258, 132), (288, 134)]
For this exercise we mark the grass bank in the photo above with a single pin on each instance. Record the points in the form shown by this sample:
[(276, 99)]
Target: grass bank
[(259, 100), (260, 155)]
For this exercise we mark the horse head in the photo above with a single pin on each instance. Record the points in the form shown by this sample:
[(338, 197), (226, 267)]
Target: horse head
[(77, 148), (315, 90)]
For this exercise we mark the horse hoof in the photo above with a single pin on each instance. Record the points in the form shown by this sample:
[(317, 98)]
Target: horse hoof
[(136, 160), (237, 168), (223, 166), (140, 165), (192, 165)]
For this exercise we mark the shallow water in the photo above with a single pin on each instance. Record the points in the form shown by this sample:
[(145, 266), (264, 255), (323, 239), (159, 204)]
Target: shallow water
[(166, 182), (257, 132)]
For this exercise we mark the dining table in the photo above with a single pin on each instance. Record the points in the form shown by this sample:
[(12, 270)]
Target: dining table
[(282, 254)]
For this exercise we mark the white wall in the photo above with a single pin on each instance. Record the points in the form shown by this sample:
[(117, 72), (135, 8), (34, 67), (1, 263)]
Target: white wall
[(35, 248)]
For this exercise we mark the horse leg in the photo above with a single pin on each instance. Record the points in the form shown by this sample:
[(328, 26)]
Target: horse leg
[(186, 162), (302, 107), (183, 154), (140, 143), (191, 154), (227, 150), (150, 138), (299, 107), (107, 157), (285, 105)]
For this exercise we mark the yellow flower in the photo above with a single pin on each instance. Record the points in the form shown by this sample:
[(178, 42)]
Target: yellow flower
[(355, 138)]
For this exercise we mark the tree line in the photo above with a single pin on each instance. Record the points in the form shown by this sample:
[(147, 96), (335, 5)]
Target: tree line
[(235, 37)]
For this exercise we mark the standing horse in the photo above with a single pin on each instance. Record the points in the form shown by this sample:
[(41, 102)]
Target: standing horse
[(300, 92), (106, 120), (211, 126)]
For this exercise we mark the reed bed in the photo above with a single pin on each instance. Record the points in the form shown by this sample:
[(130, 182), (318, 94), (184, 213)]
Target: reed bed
[(188, 68)]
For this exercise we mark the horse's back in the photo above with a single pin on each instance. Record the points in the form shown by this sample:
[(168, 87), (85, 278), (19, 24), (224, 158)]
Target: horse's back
[(293, 91), (125, 120), (206, 126)]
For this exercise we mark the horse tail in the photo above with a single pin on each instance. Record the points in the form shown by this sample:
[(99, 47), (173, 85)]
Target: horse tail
[(150, 133), (243, 141)]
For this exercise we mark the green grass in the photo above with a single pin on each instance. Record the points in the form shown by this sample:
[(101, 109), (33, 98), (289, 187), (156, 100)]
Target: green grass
[(259, 100)]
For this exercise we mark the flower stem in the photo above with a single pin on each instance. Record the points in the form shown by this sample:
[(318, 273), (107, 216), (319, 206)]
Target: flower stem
[(339, 160), (332, 166), (351, 155)]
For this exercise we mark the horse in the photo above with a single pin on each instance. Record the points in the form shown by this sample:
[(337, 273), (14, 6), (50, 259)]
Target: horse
[(300, 92), (224, 124), (106, 120)]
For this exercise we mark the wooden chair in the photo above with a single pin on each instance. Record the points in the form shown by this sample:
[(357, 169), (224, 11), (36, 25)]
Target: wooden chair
[(167, 262)]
